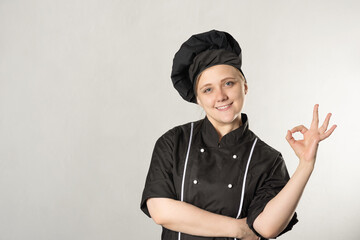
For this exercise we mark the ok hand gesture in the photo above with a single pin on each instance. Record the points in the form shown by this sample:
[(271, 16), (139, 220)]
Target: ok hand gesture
[(306, 148)]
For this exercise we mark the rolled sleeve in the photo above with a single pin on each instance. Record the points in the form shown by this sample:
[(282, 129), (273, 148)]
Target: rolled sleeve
[(159, 181), (276, 179)]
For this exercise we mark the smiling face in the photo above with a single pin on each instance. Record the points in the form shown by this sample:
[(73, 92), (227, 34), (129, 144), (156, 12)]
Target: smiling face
[(221, 91)]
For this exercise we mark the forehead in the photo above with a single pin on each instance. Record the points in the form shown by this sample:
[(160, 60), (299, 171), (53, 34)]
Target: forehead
[(217, 73)]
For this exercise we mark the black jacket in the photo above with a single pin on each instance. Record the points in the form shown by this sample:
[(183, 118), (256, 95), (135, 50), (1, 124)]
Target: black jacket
[(235, 177)]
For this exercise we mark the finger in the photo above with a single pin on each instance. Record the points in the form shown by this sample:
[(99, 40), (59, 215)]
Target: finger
[(315, 121), (327, 133), (326, 123), (300, 128), (290, 138)]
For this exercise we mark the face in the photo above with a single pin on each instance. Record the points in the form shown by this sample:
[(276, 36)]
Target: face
[(221, 93)]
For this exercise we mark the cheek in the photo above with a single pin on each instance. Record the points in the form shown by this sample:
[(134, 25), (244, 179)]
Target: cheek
[(238, 96), (206, 101), (234, 94)]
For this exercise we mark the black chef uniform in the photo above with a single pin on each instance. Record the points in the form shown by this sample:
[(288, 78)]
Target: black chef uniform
[(235, 177)]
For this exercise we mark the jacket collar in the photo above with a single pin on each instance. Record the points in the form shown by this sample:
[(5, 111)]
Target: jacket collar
[(211, 137)]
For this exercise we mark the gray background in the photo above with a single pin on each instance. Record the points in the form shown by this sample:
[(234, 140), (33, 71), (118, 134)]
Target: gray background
[(85, 92)]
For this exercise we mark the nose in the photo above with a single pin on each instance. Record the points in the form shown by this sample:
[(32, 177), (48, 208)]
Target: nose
[(221, 95)]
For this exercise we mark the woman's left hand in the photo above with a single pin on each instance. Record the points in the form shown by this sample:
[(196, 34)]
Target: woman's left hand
[(306, 148)]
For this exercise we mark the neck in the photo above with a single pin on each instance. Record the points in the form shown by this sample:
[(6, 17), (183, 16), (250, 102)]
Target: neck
[(224, 128)]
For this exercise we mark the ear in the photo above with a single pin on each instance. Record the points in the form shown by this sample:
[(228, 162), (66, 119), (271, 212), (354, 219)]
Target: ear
[(246, 88), (198, 101)]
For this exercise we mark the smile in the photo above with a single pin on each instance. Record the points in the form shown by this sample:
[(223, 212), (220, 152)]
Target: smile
[(224, 108)]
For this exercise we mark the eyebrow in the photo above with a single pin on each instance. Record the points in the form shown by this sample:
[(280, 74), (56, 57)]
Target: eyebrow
[(222, 80)]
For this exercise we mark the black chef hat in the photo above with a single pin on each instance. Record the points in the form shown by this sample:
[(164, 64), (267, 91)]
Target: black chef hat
[(199, 52)]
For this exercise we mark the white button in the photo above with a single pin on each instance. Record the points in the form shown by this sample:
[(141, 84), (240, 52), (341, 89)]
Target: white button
[(202, 150), (234, 156), (195, 181), (230, 185)]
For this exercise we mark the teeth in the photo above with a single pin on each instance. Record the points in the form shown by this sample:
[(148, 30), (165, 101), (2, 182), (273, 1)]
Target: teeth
[(223, 107)]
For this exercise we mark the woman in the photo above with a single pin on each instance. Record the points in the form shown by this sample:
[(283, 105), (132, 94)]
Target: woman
[(214, 177)]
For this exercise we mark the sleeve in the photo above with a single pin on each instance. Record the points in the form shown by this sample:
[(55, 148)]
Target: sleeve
[(159, 181), (275, 180)]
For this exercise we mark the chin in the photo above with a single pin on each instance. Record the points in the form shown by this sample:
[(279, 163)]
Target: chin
[(227, 119)]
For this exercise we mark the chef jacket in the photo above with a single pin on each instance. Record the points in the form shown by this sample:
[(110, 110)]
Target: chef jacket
[(235, 177)]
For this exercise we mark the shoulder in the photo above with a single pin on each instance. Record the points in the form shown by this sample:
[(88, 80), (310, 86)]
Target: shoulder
[(267, 159), (265, 148), (180, 132)]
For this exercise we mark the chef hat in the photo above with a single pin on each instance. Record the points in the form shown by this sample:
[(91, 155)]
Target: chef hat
[(199, 52)]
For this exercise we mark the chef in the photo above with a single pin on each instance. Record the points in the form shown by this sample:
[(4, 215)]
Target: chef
[(214, 178)]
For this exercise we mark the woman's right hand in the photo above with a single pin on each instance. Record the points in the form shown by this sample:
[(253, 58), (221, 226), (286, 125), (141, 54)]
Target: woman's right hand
[(245, 233)]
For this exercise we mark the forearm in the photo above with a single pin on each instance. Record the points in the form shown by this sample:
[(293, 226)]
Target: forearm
[(279, 211), (183, 217)]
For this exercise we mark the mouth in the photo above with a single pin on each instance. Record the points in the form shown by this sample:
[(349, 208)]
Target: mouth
[(224, 107)]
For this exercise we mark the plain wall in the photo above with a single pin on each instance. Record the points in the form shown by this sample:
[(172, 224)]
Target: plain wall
[(85, 91)]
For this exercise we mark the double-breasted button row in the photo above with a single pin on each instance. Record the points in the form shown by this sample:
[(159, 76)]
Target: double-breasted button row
[(195, 181), (202, 150)]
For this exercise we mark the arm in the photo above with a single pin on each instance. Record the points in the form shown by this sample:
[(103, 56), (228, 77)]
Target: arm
[(184, 217), (279, 211)]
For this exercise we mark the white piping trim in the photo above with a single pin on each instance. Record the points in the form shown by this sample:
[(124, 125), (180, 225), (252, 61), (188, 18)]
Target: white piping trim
[(186, 161), (244, 181)]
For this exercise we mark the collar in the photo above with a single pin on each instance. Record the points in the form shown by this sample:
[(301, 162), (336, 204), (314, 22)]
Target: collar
[(211, 137)]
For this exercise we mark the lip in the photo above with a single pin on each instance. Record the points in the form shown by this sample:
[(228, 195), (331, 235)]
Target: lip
[(221, 108)]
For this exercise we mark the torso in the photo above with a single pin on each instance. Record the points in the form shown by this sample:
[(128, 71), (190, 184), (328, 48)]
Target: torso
[(215, 171)]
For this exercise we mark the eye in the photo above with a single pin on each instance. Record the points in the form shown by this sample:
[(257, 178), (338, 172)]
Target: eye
[(229, 83), (207, 90)]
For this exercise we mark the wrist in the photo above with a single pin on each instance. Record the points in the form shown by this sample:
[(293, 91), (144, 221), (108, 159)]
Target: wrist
[(306, 165), (242, 229)]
